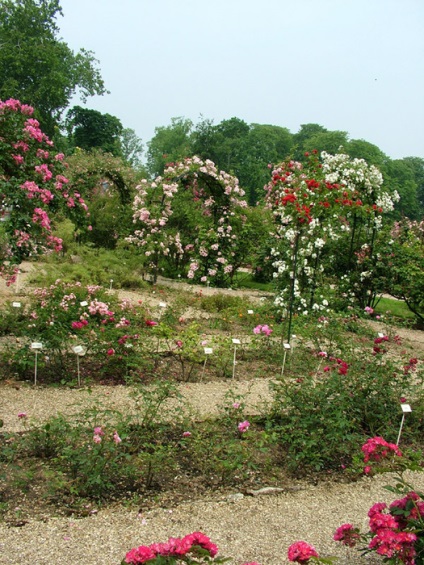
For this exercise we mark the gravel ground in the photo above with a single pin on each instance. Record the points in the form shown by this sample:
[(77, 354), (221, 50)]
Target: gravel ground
[(248, 528)]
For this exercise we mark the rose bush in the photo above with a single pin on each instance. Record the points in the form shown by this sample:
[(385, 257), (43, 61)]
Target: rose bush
[(34, 188)]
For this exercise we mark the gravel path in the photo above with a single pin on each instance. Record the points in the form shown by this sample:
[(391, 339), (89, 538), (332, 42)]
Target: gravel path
[(247, 529)]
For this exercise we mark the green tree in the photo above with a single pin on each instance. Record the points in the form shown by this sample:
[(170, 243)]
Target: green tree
[(169, 144), (132, 148), (398, 175), (329, 141), (305, 132), (416, 164), (361, 149), (264, 145), (36, 66), (90, 129)]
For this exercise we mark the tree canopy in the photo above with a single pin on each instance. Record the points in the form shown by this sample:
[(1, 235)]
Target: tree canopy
[(36, 66)]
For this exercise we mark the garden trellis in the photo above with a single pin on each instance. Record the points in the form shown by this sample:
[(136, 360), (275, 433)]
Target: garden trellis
[(315, 204), (188, 219)]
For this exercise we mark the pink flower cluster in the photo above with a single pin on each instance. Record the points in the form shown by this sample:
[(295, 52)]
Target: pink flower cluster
[(262, 329), (174, 548), (79, 324), (339, 364), (347, 534), (390, 539), (98, 434), (377, 448), (301, 552), (243, 426)]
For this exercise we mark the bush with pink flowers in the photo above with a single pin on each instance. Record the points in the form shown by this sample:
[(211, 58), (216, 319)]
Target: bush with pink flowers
[(34, 188)]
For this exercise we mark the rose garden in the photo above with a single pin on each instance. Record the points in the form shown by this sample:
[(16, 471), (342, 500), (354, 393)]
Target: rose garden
[(320, 250)]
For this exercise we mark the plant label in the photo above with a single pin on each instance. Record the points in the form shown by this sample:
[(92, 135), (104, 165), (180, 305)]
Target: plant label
[(36, 345), (84, 303), (406, 408), (79, 350), (236, 341), (208, 350), (16, 304), (162, 305), (250, 311), (287, 346)]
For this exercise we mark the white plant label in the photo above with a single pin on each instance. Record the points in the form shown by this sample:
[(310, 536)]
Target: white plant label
[(406, 408), (84, 303), (162, 305), (79, 349), (36, 345), (236, 341), (250, 311), (16, 304), (208, 350), (287, 346)]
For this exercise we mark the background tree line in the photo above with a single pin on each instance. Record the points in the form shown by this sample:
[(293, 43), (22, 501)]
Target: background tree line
[(38, 68)]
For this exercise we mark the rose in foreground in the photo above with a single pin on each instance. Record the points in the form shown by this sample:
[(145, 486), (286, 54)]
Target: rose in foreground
[(197, 544), (301, 552)]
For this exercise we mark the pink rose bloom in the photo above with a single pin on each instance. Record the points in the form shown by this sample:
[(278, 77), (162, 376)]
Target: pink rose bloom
[(97, 438), (186, 434), (22, 415), (301, 552), (110, 352), (347, 534), (116, 437), (139, 555), (243, 426)]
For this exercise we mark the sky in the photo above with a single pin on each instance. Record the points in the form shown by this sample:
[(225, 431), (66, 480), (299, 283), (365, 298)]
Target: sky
[(349, 65)]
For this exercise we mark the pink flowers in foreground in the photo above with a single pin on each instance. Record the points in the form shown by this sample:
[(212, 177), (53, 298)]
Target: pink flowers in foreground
[(195, 543), (262, 329), (301, 552), (377, 448), (243, 426)]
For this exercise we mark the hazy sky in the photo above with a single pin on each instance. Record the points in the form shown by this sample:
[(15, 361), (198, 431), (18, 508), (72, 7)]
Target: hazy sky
[(351, 65)]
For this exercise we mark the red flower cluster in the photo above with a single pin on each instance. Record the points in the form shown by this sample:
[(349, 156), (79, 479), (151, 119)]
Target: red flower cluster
[(390, 539), (301, 552), (411, 366), (196, 543), (79, 325), (377, 448), (347, 534)]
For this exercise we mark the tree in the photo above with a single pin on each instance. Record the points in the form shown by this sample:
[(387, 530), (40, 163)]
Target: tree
[(399, 175), (416, 164), (90, 129), (361, 149), (169, 144), (329, 141), (36, 66), (300, 138), (132, 148)]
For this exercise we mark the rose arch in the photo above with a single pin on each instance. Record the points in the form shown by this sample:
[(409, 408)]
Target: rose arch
[(189, 220)]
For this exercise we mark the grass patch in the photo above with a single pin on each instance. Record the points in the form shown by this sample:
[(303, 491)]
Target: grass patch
[(396, 308)]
